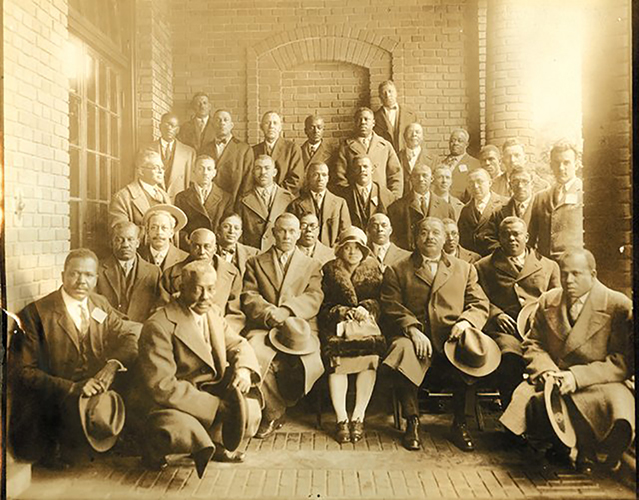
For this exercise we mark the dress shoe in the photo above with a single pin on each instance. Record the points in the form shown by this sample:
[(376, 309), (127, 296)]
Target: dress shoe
[(517, 440), (232, 457), (342, 433), (357, 430), (268, 427), (154, 463), (584, 464), (234, 419), (201, 459), (460, 437), (411, 439)]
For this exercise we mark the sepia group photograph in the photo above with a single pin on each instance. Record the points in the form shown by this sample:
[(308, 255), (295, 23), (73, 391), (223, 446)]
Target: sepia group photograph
[(317, 249)]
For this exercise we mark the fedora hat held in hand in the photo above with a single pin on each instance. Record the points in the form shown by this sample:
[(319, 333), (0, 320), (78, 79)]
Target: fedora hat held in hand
[(473, 353), (294, 337), (102, 418)]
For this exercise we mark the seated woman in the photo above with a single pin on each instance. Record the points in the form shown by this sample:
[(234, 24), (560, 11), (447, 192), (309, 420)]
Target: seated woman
[(351, 285)]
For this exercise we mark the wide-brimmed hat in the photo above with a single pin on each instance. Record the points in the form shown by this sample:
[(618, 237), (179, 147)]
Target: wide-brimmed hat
[(525, 318), (558, 413), (474, 352), (352, 235), (102, 417), (294, 337), (180, 217)]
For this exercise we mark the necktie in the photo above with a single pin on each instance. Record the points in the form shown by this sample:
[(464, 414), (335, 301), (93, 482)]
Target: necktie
[(429, 264), (312, 148), (84, 320), (424, 206), (560, 195), (521, 209), (205, 194), (204, 328), (157, 196), (365, 142), (167, 151), (573, 312)]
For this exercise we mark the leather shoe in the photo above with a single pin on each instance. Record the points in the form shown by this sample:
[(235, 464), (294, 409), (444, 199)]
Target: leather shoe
[(460, 437), (342, 433), (357, 430), (268, 427), (411, 439), (154, 463), (584, 464), (201, 459), (223, 455), (234, 418)]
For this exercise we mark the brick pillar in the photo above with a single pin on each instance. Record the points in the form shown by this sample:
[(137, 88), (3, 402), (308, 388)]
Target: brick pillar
[(607, 131), (508, 97)]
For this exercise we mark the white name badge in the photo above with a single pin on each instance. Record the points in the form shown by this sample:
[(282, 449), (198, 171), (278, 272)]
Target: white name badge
[(99, 315), (462, 167), (571, 199)]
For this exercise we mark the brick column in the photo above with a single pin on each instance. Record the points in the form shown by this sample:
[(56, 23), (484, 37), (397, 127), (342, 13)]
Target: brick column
[(508, 98), (607, 131)]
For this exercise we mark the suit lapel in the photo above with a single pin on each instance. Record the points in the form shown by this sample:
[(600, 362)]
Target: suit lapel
[(65, 322), (593, 316), (193, 199), (187, 331), (110, 273), (531, 265), (252, 202), (270, 268), (280, 202), (212, 201), (557, 318), (503, 264), (356, 146), (138, 198), (443, 274), (295, 269)]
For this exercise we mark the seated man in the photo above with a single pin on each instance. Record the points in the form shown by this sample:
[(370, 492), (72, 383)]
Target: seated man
[(365, 197), (259, 208), (128, 282), (315, 198), (428, 298), (315, 149), (283, 292), (73, 345), (474, 219), (379, 231), (309, 243), (414, 153), (452, 248), (414, 206), (162, 222), (512, 276), (442, 181), (196, 371), (228, 246), (228, 284), (203, 202), (582, 338), (460, 163)]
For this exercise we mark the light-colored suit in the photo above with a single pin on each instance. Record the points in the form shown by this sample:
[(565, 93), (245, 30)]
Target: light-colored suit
[(173, 256), (178, 167), (462, 168), (333, 215), (321, 253), (131, 203)]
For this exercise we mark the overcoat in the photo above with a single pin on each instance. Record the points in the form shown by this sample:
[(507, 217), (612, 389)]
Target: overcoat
[(379, 201), (288, 159), (333, 215), (234, 167), (507, 210), (323, 154), (322, 253), (242, 254), (394, 135), (173, 256), (189, 136), (475, 228), (463, 167), (131, 203), (422, 159), (178, 167)]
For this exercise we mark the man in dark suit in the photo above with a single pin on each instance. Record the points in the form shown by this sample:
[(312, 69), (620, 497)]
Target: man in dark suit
[(161, 223), (452, 248), (557, 220), (128, 282), (442, 181), (391, 119), (279, 285), (582, 337), (426, 299), (513, 156), (204, 203), (233, 158), (512, 276), (379, 231), (309, 243), (196, 371), (178, 158), (414, 206), (330, 210), (365, 142), (262, 205), (460, 163), (228, 246), (286, 154), (365, 197), (474, 220), (490, 161), (198, 132), (73, 344), (315, 149), (414, 153)]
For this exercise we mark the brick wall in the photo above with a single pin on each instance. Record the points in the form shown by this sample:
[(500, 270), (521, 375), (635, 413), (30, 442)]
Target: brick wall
[(236, 49), (154, 66), (36, 132)]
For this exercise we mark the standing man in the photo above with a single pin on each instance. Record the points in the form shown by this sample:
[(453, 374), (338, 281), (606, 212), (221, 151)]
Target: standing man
[(442, 181), (281, 298), (391, 119), (514, 156), (330, 210), (427, 299), (418, 203), (315, 149), (309, 243), (262, 205), (413, 153), (286, 155), (229, 247), (460, 163), (161, 223), (379, 231), (557, 220), (128, 282), (198, 132), (452, 248), (365, 142), (233, 158), (490, 161)]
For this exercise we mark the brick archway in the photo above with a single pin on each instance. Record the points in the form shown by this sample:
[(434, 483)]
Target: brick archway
[(268, 61)]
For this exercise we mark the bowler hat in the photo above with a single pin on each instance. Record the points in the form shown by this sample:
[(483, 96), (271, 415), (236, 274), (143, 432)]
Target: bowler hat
[(473, 352), (352, 235), (558, 413), (180, 217), (525, 318), (294, 337), (102, 417)]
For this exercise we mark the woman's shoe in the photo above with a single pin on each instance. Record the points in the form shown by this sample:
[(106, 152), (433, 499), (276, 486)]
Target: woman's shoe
[(357, 430), (342, 432)]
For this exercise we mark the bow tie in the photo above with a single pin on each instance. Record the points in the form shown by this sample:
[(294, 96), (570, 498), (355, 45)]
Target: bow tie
[(227, 251)]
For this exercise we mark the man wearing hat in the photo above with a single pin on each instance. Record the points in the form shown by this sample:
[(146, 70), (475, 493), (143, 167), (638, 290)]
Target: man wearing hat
[(281, 298), (73, 348), (582, 340), (512, 276), (431, 300), (196, 372), (162, 223)]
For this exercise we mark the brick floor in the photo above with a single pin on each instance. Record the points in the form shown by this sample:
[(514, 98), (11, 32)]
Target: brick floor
[(301, 462)]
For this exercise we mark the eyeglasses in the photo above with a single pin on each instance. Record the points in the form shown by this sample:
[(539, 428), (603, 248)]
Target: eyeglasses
[(308, 226)]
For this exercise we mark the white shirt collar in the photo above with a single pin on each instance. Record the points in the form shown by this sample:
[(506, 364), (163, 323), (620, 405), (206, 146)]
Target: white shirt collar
[(381, 249), (126, 265), (164, 143), (271, 145), (73, 307), (159, 255), (149, 188), (484, 201), (365, 191), (570, 184)]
